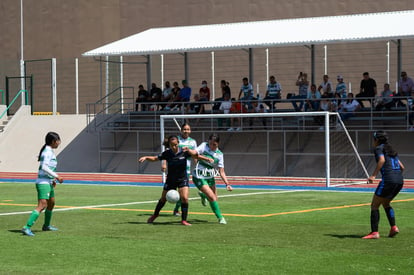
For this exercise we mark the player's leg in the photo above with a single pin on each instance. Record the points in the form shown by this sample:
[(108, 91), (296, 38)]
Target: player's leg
[(49, 211), (43, 193), (375, 217), (184, 204), (396, 188), (160, 205)]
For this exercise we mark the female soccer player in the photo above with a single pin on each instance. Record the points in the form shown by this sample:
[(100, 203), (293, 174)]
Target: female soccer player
[(390, 185), (203, 174), (176, 158), (184, 141), (45, 184)]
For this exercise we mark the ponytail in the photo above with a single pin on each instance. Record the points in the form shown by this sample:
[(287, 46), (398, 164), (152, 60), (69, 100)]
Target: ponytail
[(49, 139), (382, 138)]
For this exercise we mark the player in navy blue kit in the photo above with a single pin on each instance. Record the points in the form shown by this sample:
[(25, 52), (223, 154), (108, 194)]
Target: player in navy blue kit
[(390, 185), (177, 177)]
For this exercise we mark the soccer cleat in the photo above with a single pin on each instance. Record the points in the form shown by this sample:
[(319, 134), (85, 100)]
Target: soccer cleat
[(152, 218), (176, 213), (372, 235), (394, 231), (186, 223), (203, 199), (222, 220), (26, 231), (49, 228)]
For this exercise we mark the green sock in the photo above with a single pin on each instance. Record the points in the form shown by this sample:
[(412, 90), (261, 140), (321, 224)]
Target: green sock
[(32, 219), (202, 195), (216, 209), (48, 217), (177, 206)]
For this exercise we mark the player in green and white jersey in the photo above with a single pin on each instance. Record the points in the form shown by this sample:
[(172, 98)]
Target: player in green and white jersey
[(210, 163), (45, 184)]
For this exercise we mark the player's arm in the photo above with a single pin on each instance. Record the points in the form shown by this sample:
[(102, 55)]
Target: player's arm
[(149, 158), (224, 178), (163, 166), (47, 170), (380, 163), (191, 152), (402, 167)]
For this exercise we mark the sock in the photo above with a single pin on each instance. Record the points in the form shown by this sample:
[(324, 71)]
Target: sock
[(32, 219), (216, 209), (202, 195), (158, 208), (390, 215), (375, 217), (48, 217), (177, 206), (184, 209)]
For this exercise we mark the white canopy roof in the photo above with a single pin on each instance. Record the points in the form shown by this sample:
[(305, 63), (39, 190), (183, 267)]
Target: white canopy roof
[(261, 34)]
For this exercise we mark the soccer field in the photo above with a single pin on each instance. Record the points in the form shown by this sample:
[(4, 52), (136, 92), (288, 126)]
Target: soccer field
[(103, 230)]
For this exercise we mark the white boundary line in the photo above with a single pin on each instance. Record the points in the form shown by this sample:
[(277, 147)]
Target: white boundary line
[(145, 202)]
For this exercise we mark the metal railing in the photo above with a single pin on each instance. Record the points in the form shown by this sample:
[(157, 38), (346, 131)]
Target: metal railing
[(14, 99)]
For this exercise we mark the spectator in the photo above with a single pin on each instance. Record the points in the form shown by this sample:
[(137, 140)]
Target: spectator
[(224, 89), (196, 105), (303, 85), (385, 100), (326, 87), (247, 91), (204, 91), (257, 108), (313, 99), (167, 94), (237, 107), (326, 106), (405, 88), (273, 93), (368, 88), (174, 96), (142, 98), (340, 87), (224, 108), (155, 95), (348, 108)]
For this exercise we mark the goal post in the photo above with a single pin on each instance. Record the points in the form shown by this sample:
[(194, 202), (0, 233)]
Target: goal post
[(338, 144)]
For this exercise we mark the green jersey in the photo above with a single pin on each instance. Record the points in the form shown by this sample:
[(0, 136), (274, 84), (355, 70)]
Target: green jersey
[(205, 169), (191, 144)]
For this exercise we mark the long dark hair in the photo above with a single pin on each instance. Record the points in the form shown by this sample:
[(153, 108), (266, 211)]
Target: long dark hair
[(49, 139), (214, 137), (382, 138), (166, 142)]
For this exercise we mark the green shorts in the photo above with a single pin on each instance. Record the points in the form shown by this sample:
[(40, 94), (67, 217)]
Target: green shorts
[(45, 191), (200, 182)]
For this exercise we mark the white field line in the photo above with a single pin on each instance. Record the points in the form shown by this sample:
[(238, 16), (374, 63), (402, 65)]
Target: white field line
[(145, 202)]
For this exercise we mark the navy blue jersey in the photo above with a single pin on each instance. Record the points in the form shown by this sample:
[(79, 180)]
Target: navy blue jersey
[(391, 171), (177, 165)]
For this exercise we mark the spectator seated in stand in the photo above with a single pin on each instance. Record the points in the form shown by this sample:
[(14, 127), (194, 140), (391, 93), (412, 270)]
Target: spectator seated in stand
[(237, 107), (258, 107), (349, 107), (155, 96), (224, 108), (385, 100), (142, 98)]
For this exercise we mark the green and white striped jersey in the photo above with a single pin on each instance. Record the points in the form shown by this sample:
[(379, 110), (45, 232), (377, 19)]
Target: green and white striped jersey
[(191, 144), (47, 166), (206, 169)]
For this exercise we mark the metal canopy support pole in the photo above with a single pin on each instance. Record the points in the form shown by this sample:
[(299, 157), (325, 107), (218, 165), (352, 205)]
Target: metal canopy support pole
[(149, 69), (213, 87), (251, 66), (77, 85), (312, 63), (388, 62), (186, 68), (399, 59), (54, 91)]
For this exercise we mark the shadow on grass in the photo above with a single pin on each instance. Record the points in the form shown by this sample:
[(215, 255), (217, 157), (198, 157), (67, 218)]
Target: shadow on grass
[(345, 236)]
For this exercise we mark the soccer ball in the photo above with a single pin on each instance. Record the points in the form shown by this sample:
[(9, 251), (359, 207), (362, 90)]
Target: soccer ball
[(173, 196)]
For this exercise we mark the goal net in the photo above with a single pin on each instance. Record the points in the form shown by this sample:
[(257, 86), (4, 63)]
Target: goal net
[(297, 147)]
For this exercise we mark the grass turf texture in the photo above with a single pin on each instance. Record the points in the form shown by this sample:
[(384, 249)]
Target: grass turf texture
[(117, 239)]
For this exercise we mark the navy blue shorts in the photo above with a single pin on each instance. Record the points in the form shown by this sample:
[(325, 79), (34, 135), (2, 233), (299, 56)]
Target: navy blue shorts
[(176, 184), (388, 190)]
